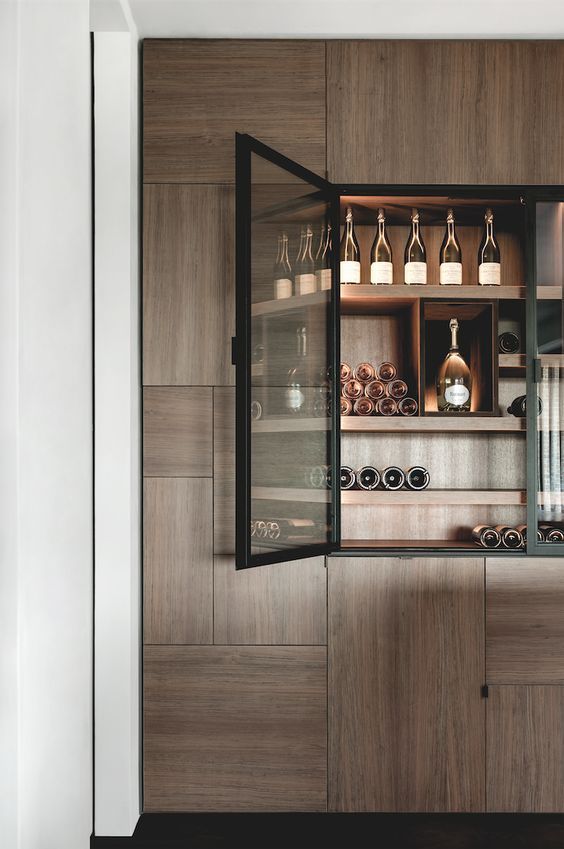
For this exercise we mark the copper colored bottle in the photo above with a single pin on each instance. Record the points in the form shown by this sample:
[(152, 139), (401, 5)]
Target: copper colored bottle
[(387, 406), (387, 372), (486, 536), (346, 406), (364, 372), (364, 407), (353, 389), (397, 389), (408, 406), (346, 372), (375, 390)]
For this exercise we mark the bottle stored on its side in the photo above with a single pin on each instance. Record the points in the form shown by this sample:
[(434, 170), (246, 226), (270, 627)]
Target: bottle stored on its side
[(417, 478), (324, 260), (305, 269), (346, 406), (375, 390), (454, 381), (551, 534), (368, 478), (397, 389), (364, 372), (386, 372), (363, 407), (295, 397), (523, 531), (489, 268), (510, 537), (508, 342), (282, 270), (381, 268), (392, 478), (450, 272), (415, 256), (353, 389), (256, 410), (387, 406), (348, 477), (350, 252), (408, 407), (518, 406), (486, 536), (346, 372)]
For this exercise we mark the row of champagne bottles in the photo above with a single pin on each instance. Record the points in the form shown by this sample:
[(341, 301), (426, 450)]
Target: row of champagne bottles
[(504, 536), (313, 273), (370, 390), (369, 478)]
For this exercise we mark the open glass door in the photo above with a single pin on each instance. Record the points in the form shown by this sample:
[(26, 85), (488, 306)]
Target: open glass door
[(545, 397), (286, 353)]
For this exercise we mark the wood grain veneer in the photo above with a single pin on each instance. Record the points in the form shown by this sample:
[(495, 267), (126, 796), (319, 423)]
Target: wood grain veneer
[(188, 285), (525, 620), (224, 470), (415, 111), (178, 560), (283, 605), (235, 729), (177, 431), (525, 764), (406, 664), (197, 93)]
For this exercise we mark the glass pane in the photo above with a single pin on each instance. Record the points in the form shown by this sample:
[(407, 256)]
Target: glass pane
[(291, 280), (549, 275)]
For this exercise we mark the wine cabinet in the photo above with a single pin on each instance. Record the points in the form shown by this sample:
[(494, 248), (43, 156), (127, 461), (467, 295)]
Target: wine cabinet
[(494, 461)]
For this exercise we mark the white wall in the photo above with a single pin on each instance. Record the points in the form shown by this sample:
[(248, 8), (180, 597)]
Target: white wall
[(46, 426)]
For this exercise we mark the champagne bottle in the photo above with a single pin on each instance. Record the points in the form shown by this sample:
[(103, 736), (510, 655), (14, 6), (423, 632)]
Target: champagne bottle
[(454, 381), (518, 407), (415, 257), (510, 537), (295, 398), (350, 252), (375, 390), (387, 406), (353, 389), (324, 261), (489, 268), (523, 531), (381, 268), (392, 478), (397, 389), (364, 372), (408, 406), (256, 411), (346, 407), (346, 372), (508, 343), (282, 270), (417, 478), (348, 477), (363, 407), (450, 256), (551, 534), (386, 372), (486, 536), (305, 271), (368, 478)]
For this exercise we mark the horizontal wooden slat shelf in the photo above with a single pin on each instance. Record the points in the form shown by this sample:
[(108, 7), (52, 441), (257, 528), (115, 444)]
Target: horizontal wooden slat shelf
[(279, 493), (425, 545), (431, 424), (284, 305), (512, 362), (433, 497), (290, 425)]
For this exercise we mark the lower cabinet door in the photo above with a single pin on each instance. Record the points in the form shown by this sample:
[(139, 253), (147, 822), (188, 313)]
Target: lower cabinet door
[(406, 668), (525, 736)]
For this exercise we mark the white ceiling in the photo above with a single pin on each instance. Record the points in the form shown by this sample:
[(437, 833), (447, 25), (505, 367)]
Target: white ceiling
[(349, 18)]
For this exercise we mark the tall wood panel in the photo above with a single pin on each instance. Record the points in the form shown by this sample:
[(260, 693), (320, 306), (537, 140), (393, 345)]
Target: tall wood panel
[(199, 92), (240, 729), (188, 285), (525, 620), (178, 560), (177, 431), (525, 749), (224, 470), (445, 111), (406, 666)]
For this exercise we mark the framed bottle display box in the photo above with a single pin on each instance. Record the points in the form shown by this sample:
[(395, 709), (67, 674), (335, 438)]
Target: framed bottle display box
[(398, 359)]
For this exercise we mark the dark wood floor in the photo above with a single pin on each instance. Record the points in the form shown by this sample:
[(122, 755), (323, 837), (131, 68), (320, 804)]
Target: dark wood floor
[(342, 831)]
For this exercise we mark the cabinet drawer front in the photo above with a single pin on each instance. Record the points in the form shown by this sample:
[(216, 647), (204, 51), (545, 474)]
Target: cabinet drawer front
[(525, 620)]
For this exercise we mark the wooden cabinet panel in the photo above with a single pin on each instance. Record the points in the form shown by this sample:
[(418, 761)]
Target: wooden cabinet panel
[(525, 749), (406, 665), (235, 729), (224, 470), (445, 111), (177, 431), (178, 560), (281, 605), (525, 620), (198, 93), (188, 285)]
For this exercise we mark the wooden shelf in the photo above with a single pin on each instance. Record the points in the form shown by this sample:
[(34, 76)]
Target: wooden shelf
[(442, 545), (290, 425), (286, 305), (431, 424), (427, 497), (279, 493), (512, 362)]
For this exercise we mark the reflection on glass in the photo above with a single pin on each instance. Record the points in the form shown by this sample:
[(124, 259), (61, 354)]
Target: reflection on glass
[(550, 257), (291, 281)]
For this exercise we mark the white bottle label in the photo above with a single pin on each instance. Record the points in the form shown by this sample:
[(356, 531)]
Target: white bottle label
[(381, 273), (457, 394), (415, 273), (451, 274), (489, 274), (324, 278), (350, 271), (305, 284), (282, 289)]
